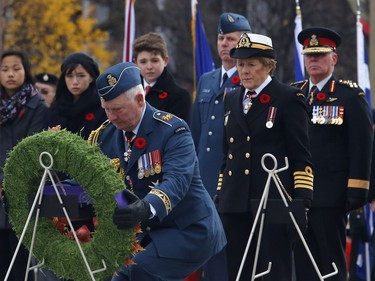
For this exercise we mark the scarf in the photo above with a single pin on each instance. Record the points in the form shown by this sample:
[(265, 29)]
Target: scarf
[(10, 108)]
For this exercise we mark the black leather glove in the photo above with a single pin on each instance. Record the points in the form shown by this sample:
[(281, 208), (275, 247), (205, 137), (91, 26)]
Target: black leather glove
[(353, 203), (4, 202), (299, 210), (136, 211)]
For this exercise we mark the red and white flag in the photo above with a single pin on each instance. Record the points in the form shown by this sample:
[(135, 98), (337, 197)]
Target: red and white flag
[(129, 32)]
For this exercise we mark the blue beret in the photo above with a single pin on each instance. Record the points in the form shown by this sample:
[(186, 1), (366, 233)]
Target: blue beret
[(118, 79), (231, 22), (86, 61)]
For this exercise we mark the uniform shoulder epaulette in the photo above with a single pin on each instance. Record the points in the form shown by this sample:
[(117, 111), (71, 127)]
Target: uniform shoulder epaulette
[(165, 117), (298, 83), (94, 135), (348, 83), (170, 120)]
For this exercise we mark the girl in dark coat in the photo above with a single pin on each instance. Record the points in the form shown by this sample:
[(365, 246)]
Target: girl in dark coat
[(22, 113), (76, 106)]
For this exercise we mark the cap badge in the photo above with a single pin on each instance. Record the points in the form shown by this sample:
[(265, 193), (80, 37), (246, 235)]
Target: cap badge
[(244, 41), (314, 41), (111, 80), (230, 18), (45, 77)]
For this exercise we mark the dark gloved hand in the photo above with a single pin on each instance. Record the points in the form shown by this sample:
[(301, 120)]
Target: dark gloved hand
[(3, 201), (300, 213), (136, 211), (353, 203), (216, 200)]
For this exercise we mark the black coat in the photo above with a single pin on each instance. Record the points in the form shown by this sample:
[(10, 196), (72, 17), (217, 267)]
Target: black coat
[(79, 117), (341, 151), (247, 139), (167, 95)]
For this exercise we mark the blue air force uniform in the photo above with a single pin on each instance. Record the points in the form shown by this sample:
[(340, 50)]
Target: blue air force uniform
[(207, 124), (162, 168)]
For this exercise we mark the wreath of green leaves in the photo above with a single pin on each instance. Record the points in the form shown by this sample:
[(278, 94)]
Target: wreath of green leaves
[(92, 169)]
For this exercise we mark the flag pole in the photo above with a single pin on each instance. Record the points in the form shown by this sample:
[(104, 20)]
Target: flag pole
[(298, 57), (360, 62)]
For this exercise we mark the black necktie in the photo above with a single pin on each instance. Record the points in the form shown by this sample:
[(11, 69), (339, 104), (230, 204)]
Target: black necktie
[(225, 77), (129, 137), (311, 94)]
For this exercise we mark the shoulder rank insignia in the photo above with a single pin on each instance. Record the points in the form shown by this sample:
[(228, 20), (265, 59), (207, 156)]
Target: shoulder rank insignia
[(300, 84), (348, 83), (164, 117)]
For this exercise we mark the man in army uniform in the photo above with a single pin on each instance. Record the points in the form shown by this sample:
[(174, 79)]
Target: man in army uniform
[(180, 226), (340, 132)]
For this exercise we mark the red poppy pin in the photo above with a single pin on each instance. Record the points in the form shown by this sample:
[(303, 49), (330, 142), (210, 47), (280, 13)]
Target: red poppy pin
[(264, 98), (20, 114), (90, 116), (163, 95), (235, 79), (140, 143), (320, 96)]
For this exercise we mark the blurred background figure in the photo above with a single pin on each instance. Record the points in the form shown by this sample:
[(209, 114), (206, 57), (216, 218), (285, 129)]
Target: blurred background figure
[(46, 85), (22, 113)]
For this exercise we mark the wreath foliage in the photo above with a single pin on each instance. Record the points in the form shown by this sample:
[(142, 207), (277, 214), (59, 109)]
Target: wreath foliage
[(91, 168)]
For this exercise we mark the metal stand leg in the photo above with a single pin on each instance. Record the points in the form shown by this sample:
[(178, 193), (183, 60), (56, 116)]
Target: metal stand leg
[(262, 208), (39, 198)]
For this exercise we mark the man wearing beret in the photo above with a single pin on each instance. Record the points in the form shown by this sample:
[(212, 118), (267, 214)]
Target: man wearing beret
[(181, 229), (208, 117), (263, 116), (340, 132), (46, 85)]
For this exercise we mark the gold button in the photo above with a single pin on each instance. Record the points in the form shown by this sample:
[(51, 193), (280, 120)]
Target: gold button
[(247, 172), (248, 138), (229, 173), (231, 140), (247, 155), (230, 156)]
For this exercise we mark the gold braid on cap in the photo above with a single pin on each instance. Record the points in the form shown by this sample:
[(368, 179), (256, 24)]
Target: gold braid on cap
[(245, 42)]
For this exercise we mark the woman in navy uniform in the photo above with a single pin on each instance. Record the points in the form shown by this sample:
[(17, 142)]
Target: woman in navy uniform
[(263, 116), (181, 228), (340, 133)]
